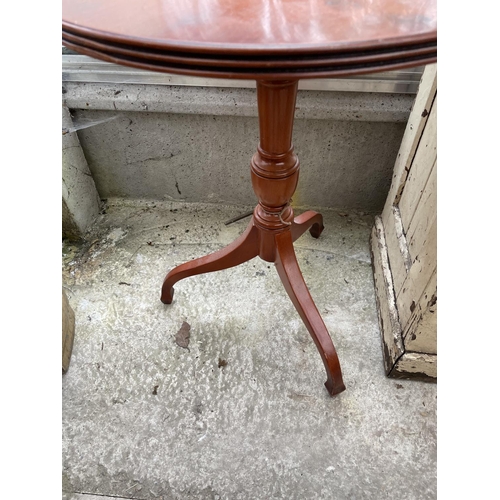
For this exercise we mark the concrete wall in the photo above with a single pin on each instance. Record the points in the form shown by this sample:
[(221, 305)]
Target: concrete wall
[(195, 144), (80, 199)]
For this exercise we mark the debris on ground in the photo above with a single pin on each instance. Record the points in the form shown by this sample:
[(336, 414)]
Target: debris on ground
[(182, 336)]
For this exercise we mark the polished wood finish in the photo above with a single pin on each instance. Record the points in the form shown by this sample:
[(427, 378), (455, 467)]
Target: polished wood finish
[(309, 220), (276, 43), (236, 69), (253, 62), (244, 248), (274, 167), (280, 244), (257, 40), (272, 230), (292, 279), (257, 26)]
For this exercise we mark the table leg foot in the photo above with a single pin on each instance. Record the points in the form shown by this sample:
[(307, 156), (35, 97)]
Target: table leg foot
[(308, 220), (293, 281), (244, 248), (167, 294)]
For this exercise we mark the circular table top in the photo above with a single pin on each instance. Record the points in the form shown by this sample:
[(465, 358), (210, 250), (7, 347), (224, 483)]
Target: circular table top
[(255, 38)]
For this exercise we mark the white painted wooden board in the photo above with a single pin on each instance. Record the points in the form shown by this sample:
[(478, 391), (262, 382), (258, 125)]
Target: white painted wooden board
[(419, 275), (386, 300), (420, 169), (397, 248), (425, 214), (416, 365), (399, 361), (411, 138), (404, 246), (419, 334)]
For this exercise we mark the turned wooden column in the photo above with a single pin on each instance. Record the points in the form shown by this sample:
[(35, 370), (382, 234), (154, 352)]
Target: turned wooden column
[(251, 40), (274, 167), (273, 229), (275, 174)]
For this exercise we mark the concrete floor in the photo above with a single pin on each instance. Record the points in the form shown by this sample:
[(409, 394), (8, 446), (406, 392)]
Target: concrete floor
[(242, 413)]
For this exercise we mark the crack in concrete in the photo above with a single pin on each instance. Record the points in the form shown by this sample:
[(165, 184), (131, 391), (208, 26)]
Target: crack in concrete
[(104, 495)]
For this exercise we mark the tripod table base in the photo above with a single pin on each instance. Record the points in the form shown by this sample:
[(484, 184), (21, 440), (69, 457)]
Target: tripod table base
[(248, 246)]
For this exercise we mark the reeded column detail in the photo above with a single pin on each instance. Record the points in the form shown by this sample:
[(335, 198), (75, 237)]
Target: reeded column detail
[(275, 166), (272, 230)]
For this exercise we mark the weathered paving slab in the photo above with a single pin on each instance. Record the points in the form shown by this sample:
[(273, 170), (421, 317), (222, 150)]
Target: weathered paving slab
[(241, 412)]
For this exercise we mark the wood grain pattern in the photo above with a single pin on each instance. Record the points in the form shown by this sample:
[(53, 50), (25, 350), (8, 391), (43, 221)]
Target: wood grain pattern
[(418, 276), (241, 250), (409, 234), (420, 169), (416, 365), (272, 230), (390, 327), (420, 331), (415, 125), (424, 214), (252, 61), (275, 43), (238, 70), (308, 220), (257, 40), (293, 281), (260, 26), (397, 248)]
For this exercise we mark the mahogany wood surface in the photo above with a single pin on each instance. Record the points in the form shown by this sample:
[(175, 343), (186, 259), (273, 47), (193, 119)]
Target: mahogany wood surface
[(246, 247), (257, 26), (252, 61), (258, 39), (293, 281), (238, 70), (242, 249), (272, 230), (276, 43), (308, 220)]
